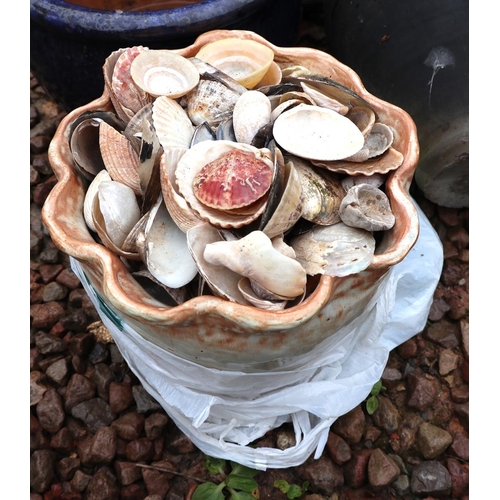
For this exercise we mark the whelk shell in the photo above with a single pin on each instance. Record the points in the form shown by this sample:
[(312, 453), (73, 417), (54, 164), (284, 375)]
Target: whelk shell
[(163, 72), (317, 133), (247, 61)]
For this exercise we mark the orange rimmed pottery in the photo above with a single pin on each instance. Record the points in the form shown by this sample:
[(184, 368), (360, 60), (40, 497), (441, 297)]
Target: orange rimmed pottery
[(209, 330)]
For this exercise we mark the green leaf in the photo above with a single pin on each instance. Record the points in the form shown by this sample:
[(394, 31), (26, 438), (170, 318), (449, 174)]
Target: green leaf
[(241, 482), (214, 465), (371, 405), (282, 485), (241, 495), (294, 491), (376, 388), (241, 470), (209, 491)]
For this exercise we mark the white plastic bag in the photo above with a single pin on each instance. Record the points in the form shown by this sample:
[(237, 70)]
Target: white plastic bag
[(223, 411)]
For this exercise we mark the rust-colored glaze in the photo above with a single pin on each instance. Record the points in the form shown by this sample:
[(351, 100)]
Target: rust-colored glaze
[(210, 330)]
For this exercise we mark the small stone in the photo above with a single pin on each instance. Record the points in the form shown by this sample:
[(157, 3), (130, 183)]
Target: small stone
[(139, 450), (422, 392), (79, 389), (351, 426), (58, 371), (285, 438), (80, 481), (49, 344), (42, 470), (37, 387), (66, 467), (157, 482), (155, 425), (323, 475), (102, 486), (103, 376), (129, 426), (382, 469), (127, 472), (50, 411), (448, 361), (386, 415), (460, 446), (143, 400), (120, 396), (430, 478), (338, 450), (445, 333), (95, 413), (459, 474), (432, 440), (356, 470), (103, 446)]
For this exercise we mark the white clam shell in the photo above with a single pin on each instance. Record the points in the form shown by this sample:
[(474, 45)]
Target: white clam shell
[(168, 257), (88, 203), (254, 257), (336, 250), (317, 133), (251, 112), (119, 208)]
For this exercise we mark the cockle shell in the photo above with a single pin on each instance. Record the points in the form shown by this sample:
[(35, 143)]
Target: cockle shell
[(247, 61), (271, 77), (317, 133), (251, 112), (255, 257), (163, 72), (377, 142), (367, 207), (193, 161), (172, 124), (336, 250)]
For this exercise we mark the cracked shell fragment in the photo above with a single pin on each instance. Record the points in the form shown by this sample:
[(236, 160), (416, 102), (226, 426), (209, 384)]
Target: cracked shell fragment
[(336, 250)]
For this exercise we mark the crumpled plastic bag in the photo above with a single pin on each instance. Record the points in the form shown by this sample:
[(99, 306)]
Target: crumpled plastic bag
[(222, 412)]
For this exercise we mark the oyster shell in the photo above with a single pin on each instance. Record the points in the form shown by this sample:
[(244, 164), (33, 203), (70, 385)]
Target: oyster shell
[(317, 133), (163, 72), (336, 250), (367, 207)]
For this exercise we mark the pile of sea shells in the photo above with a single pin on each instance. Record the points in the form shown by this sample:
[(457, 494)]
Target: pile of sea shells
[(227, 174)]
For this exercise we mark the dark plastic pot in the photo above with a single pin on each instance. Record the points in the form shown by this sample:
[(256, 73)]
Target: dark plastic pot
[(69, 43), (415, 54)]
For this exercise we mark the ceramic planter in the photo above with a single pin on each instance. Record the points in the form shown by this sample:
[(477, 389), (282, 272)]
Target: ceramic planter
[(210, 330)]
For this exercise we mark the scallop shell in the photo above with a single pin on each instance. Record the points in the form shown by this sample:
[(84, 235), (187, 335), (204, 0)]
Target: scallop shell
[(336, 250), (130, 97), (247, 61), (191, 164), (163, 72), (251, 112), (268, 304), (377, 142), (120, 158), (367, 207), (317, 133), (172, 124), (180, 211), (390, 160)]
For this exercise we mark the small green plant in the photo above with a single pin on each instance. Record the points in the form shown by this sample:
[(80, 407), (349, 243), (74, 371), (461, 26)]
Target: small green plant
[(291, 490), (372, 401), (239, 483)]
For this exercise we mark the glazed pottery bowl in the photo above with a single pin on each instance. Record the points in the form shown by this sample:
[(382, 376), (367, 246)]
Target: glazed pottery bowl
[(77, 35), (213, 331)]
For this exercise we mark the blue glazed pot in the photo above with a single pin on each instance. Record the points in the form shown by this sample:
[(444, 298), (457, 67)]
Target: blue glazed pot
[(69, 43)]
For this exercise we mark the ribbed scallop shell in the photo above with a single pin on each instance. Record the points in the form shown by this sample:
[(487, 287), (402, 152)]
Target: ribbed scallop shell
[(120, 158), (172, 124), (192, 163)]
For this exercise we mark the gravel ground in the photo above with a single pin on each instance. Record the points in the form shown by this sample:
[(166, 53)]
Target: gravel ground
[(92, 422)]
